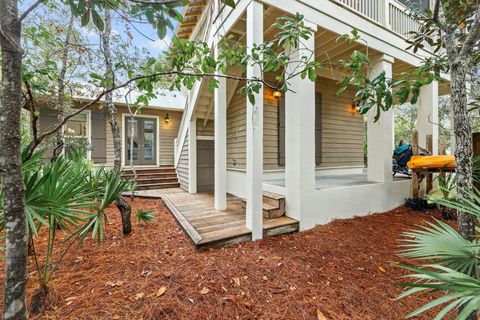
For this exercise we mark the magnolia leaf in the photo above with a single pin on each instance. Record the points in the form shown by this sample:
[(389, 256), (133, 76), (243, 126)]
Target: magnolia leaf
[(97, 20), (230, 3)]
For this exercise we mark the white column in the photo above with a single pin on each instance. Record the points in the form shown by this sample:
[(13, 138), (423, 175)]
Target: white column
[(254, 161), (300, 136), (220, 110), (380, 133), (427, 115), (192, 157)]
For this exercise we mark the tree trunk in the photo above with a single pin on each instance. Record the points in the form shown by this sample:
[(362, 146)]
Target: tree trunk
[(59, 136), (463, 149), (121, 204), (14, 306)]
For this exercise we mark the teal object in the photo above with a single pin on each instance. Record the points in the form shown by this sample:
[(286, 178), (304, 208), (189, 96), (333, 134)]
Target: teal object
[(401, 149)]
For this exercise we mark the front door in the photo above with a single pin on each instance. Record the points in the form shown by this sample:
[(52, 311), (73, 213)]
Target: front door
[(141, 142)]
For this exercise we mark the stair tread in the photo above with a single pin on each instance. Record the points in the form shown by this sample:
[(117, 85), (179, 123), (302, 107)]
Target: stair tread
[(150, 178)]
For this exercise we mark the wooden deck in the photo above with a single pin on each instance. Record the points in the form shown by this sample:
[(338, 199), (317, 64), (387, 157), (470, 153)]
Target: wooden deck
[(207, 227)]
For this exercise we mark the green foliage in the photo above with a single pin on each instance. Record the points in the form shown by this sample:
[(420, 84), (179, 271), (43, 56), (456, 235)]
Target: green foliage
[(192, 60), (145, 216), (461, 290), (65, 196), (452, 262)]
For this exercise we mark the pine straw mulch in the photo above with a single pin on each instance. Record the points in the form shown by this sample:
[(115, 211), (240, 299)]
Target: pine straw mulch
[(345, 270)]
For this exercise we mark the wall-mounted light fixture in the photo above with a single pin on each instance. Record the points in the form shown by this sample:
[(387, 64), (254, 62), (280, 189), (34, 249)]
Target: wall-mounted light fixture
[(277, 94), (355, 107), (167, 118)]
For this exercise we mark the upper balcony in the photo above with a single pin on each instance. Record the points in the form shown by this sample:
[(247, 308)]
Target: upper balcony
[(393, 15)]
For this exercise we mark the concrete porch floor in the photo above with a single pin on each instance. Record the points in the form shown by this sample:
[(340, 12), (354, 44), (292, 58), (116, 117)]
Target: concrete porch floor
[(337, 181), (207, 227)]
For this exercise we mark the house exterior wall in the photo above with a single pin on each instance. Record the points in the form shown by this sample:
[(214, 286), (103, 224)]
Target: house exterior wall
[(167, 133), (102, 137), (342, 130), (182, 166)]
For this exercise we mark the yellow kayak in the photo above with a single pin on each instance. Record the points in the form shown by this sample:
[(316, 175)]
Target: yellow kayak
[(431, 162)]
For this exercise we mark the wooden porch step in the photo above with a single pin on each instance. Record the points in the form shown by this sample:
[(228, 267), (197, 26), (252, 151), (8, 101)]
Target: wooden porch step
[(143, 181), (150, 170), (150, 178), (151, 186), (273, 205), (150, 175)]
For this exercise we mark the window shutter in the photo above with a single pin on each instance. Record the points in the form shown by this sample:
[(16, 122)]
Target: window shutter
[(281, 131), (99, 137), (318, 128)]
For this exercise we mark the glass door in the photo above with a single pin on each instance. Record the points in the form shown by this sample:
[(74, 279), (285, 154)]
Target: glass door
[(141, 141)]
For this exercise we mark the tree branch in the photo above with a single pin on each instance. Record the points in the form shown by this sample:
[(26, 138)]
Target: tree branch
[(472, 38), (164, 2), (30, 9), (59, 125)]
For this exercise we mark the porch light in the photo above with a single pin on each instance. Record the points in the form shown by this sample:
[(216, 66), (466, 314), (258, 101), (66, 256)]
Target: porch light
[(355, 107), (167, 118), (277, 94)]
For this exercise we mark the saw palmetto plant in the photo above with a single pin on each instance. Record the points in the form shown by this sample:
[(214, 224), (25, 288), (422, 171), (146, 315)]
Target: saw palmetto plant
[(451, 263), (65, 201)]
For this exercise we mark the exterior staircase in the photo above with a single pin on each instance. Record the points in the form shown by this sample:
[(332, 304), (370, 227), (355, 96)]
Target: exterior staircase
[(273, 205), (153, 178)]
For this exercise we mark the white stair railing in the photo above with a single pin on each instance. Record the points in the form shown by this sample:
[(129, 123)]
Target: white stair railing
[(202, 33)]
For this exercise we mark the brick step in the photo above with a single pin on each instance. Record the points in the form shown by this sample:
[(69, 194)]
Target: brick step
[(273, 205), (158, 186)]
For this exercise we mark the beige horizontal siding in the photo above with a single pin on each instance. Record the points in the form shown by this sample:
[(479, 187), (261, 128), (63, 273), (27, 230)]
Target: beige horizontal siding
[(236, 132), (208, 130), (182, 167), (343, 129)]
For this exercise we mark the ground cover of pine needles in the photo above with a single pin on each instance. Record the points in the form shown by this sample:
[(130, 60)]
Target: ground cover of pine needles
[(342, 270)]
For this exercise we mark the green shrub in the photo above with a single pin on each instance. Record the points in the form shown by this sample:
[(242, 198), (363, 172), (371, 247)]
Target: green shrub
[(145, 216)]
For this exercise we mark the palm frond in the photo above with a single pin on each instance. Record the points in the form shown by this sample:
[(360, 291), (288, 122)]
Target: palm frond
[(145, 216), (438, 241), (462, 290)]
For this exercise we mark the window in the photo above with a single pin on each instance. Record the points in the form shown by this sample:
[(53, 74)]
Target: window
[(77, 126), (418, 5), (77, 133)]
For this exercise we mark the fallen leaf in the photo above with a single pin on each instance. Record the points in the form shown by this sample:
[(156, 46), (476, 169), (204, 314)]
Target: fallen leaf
[(114, 284), (161, 291), (381, 269), (320, 315), (230, 297), (237, 281), (139, 295), (277, 290), (265, 278), (204, 290)]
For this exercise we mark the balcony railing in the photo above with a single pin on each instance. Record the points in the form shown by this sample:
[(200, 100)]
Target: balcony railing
[(389, 13)]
